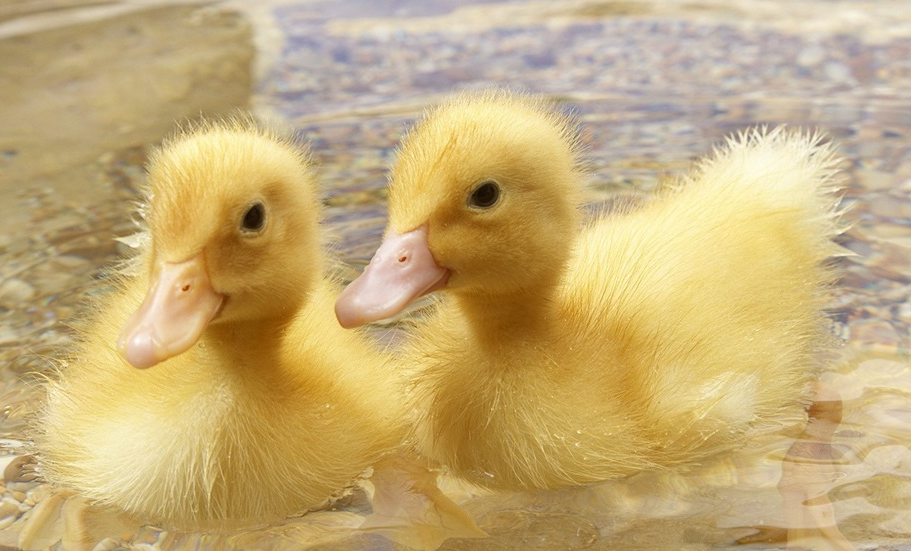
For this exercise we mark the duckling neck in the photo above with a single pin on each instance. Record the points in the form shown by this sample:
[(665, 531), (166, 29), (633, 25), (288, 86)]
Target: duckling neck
[(242, 342), (524, 314)]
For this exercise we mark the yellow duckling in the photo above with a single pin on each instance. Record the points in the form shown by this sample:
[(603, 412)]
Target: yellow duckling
[(258, 405), (567, 353)]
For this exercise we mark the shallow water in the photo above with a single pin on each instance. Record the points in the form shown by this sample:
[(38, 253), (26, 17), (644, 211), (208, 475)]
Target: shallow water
[(655, 85)]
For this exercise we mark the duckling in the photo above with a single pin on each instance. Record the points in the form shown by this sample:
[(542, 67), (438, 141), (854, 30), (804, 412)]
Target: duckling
[(214, 387), (567, 351)]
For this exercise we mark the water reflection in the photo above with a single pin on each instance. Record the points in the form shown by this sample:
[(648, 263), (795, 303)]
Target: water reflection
[(808, 472)]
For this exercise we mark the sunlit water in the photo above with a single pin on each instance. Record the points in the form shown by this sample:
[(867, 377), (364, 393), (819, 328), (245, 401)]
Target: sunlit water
[(652, 94)]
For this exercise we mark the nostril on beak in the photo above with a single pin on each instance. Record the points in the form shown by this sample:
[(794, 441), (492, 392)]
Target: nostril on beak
[(185, 288), (403, 258)]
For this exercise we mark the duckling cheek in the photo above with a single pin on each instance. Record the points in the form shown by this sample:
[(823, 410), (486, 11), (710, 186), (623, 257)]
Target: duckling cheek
[(402, 270), (177, 309)]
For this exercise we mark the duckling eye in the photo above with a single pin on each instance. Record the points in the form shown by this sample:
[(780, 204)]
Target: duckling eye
[(485, 195), (254, 218)]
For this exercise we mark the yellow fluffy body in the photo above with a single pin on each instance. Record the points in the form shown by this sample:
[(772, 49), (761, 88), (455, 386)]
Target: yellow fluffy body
[(568, 352), (276, 408)]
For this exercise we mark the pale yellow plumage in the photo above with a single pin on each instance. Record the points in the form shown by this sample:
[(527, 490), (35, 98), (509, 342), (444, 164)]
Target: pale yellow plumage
[(567, 352), (275, 408)]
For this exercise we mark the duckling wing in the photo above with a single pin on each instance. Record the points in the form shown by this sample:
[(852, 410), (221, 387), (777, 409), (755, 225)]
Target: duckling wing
[(711, 293)]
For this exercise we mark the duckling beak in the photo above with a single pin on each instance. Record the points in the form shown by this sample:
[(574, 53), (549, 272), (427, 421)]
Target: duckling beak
[(177, 309), (402, 270)]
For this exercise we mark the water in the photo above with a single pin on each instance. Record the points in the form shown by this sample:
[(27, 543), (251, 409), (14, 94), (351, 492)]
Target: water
[(655, 85)]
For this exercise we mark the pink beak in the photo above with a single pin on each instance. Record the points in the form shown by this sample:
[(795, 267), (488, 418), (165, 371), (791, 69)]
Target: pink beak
[(402, 270), (177, 309)]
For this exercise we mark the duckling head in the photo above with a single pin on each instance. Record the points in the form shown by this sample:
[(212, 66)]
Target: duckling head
[(233, 220), (483, 200)]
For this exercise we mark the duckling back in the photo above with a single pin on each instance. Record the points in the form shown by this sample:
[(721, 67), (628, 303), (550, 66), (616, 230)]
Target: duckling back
[(713, 292)]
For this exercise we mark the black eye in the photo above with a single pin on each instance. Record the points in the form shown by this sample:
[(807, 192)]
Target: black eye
[(485, 195), (254, 218)]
